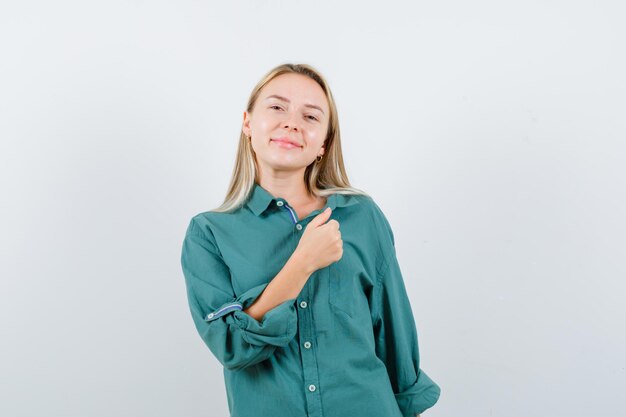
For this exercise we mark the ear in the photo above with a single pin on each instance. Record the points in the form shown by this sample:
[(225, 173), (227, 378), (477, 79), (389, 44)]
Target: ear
[(322, 150), (245, 127)]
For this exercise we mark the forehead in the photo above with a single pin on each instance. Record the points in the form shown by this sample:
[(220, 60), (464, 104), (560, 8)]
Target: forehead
[(298, 89)]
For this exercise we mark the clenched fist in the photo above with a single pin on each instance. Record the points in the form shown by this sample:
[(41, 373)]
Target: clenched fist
[(320, 244)]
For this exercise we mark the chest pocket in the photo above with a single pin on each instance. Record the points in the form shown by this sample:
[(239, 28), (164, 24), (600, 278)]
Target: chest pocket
[(342, 288)]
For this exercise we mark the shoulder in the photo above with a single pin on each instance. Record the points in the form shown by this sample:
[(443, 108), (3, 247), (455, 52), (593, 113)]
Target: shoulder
[(201, 224), (361, 202), (372, 216), (367, 205), (358, 204), (383, 231), (377, 216)]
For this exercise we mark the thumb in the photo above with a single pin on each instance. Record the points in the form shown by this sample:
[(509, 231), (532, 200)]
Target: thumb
[(322, 217)]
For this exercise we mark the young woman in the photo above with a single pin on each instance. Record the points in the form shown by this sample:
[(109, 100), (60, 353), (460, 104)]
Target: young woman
[(293, 282)]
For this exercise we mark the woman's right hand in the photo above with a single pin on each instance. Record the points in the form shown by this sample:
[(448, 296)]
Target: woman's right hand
[(320, 244)]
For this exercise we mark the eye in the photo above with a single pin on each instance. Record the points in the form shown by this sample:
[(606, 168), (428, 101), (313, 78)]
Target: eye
[(275, 106), (312, 117)]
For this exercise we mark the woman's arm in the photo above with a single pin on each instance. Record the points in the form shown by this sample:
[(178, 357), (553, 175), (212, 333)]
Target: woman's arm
[(319, 245), (237, 339), (396, 342), (395, 330), (287, 285)]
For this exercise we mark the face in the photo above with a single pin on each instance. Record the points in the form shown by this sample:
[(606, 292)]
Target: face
[(288, 124)]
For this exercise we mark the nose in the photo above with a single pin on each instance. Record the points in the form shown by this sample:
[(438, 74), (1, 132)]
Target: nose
[(291, 123)]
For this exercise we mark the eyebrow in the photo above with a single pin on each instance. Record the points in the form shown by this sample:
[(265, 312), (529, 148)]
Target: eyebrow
[(313, 106)]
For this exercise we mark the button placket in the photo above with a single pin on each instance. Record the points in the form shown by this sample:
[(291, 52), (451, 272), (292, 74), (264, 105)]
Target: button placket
[(292, 212), (309, 360)]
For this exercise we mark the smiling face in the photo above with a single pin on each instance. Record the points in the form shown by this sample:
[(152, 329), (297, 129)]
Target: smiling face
[(289, 123)]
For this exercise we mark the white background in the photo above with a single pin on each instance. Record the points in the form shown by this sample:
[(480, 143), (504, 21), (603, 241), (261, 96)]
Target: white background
[(491, 133)]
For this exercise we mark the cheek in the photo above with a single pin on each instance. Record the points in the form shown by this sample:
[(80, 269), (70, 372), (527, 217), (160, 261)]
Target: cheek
[(263, 122), (315, 136), (270, 120), (261, 128)]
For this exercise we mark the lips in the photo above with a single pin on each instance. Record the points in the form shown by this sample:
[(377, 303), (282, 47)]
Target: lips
[(287, 140)]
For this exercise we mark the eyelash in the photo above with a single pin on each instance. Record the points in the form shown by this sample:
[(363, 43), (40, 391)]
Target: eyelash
[(314, 118)]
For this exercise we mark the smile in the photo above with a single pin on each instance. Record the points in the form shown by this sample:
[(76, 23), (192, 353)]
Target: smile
[(286, 145)]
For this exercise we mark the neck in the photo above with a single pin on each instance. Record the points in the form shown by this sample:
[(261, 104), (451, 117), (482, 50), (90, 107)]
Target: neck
[(291, 189)]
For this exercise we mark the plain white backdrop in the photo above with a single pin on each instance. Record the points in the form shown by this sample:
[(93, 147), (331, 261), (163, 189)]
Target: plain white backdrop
[(491, 133)]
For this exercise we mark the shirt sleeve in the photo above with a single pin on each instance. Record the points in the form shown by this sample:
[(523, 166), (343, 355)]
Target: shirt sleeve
[(396, 338), (235, 338)]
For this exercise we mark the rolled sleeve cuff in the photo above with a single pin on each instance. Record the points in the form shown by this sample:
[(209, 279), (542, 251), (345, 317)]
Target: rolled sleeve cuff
[(419, 397), (277, 327)]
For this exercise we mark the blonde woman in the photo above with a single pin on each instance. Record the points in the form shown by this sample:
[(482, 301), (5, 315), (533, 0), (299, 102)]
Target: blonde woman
[(293, 282)]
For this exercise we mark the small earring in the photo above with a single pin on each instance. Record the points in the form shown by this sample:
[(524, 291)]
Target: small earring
[(318, 159)]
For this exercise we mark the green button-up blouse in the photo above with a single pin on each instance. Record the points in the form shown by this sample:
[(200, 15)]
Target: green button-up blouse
[(346, 346)]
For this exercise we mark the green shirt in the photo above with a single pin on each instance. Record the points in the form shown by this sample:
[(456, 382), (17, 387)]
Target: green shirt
[(346, 346)]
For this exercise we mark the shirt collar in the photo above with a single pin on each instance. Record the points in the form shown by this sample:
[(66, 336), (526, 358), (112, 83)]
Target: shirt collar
[(260, 200)]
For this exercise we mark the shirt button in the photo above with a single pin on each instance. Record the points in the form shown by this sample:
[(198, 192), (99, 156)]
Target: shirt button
[(307, 345), (311, 387), (303, 304), (299, 226), (279, 203)]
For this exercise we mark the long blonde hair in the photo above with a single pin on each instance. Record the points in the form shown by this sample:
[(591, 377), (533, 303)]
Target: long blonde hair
[(321, 179)]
